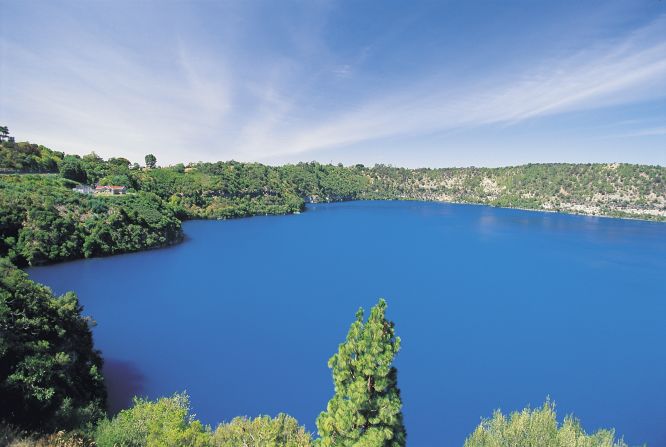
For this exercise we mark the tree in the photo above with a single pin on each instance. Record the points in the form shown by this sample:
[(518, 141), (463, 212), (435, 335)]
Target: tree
[(366, 408), (4, 133), (72, 168), (151, 160), (50, 373), (119, 162)]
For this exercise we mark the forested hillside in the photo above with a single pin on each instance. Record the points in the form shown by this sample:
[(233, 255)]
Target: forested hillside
[(232, 189), (26, 157), (621, 190), (43, 220)]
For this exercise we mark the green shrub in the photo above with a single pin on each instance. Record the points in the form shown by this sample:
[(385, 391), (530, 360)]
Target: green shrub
[(167, 422), (539, 427), (281, 431)]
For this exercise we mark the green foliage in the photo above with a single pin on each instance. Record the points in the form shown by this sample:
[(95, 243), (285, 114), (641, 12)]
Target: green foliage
[(539, 427), (281, 431), (26, 157), (119, 163), (42, 220), (117, 180), (150, 160), (605, 189), (230, 189), (166, 422), (95, 168), (49, 370), (72, 168), (366, 408)]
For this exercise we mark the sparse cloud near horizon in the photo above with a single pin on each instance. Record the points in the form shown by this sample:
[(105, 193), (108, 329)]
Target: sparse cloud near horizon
[(338, 81)]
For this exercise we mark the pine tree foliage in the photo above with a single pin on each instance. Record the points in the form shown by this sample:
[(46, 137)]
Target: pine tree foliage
[(366, 408)]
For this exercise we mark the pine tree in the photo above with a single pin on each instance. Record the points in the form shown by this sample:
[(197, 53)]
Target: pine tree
[(366, 408)]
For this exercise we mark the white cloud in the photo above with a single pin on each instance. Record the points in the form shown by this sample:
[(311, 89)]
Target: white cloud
[(630, 70), (651, 132), (196, 101)]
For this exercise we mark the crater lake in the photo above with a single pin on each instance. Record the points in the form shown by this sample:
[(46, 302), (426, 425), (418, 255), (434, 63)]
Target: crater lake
[(496, 308)]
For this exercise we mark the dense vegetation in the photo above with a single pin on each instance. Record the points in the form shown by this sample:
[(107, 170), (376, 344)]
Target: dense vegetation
[(232, 189), (537, 427), (26, 157), (42, 220), (168, 422), (68, 225), (622, 190), (50, 375)]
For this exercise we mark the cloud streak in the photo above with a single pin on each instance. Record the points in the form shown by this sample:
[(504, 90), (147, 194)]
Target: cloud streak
[(633, 69), (204, 100)]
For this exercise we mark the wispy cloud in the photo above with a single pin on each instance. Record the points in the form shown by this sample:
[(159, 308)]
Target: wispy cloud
[(615, 72), (651, 132), (202, 100), (99, 97)]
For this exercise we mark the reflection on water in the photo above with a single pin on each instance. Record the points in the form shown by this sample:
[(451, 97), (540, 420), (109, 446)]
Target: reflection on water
[(123, 382)]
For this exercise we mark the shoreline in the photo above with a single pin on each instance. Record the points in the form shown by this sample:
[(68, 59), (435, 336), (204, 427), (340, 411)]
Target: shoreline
[(183, 236), (658, 219)]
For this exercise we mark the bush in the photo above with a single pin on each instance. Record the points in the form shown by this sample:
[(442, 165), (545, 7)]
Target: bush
[(282, 431), (539, 427), (164, 423)]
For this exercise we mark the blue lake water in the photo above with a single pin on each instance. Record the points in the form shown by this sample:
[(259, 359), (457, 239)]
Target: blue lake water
[(496, 308)]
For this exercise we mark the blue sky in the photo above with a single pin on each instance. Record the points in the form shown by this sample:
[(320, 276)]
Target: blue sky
[(484, 83)]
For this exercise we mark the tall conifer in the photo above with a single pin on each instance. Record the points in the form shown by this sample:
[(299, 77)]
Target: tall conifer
[(366, 408)]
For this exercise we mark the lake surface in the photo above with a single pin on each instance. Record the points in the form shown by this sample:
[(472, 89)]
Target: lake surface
[(496, 308)]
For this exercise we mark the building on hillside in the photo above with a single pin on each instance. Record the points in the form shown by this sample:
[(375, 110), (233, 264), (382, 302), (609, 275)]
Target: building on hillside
[(83, 189), (110, 189)]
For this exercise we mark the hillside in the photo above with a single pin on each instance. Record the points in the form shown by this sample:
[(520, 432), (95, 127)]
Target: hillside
[(620, 190), (43, 220)]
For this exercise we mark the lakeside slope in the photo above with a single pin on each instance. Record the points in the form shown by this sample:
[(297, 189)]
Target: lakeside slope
[(43, 220)]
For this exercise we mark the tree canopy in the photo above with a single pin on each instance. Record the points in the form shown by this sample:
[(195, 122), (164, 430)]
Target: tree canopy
[(50, 374), (150, 160), (366, 410)]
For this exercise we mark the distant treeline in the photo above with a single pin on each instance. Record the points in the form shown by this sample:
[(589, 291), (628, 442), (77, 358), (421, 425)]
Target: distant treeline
[(43, 220), (231, 189)]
